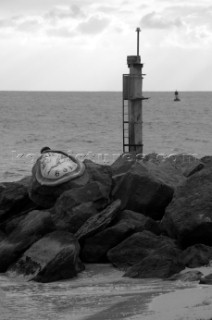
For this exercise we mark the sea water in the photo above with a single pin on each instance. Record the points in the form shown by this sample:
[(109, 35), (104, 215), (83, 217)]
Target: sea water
[(89, 124)]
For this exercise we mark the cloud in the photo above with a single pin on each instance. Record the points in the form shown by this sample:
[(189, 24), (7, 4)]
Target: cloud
[(29, 25), (62, 12), (191, 22), (60, 32), (155, 20), (107, 9), (182, 24), (21, 23), (93, 25), (62, 21)]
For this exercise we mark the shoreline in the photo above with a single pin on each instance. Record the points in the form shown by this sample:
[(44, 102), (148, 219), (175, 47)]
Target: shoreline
[(99, 292)]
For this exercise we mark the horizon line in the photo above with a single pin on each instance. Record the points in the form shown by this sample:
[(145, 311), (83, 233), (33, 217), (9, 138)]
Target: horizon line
[(100, 91)]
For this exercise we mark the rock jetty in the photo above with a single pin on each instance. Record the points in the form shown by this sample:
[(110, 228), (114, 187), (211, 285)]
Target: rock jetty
[(150, 217)]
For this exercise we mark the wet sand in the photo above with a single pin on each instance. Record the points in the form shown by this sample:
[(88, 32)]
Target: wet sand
[(102, 293), (146, 299)]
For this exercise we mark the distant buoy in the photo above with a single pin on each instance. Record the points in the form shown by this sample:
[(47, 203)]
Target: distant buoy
[(176, 96)]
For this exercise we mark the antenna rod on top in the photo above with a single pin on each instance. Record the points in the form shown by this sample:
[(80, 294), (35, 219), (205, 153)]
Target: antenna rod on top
[(138, 31)]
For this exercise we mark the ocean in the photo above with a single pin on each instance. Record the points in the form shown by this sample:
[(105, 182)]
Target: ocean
[(89, 124)]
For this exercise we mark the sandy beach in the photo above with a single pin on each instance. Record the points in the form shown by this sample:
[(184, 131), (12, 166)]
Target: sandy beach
[(110, 296), (190, 303), (146, 299)]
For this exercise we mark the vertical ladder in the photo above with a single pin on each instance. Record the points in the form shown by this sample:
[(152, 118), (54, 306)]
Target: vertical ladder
[(125, 118)]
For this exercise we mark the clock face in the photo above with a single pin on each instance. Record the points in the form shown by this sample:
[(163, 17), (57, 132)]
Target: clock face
[(55, 165)]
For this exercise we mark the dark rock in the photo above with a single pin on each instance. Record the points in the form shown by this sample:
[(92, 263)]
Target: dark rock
[(207, 279), (186, 163), (139, 221), (46, 196), (14, 199), (54, 257), (99, 173), (95, 248), (2, 236), (126, 222), (76, 217), (188, 218), (12, 223), (183, 164), (155, 266), (207, 161), (138, 246), (30, 229), (194, 275), (154, 158), (75, 206), (99, 221), (192, 169), (123, 164), (196, 256), (140, 191), (166, 172), (25, 181)]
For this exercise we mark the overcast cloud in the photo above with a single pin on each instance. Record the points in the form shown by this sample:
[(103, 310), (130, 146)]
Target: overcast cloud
[(172, 31)]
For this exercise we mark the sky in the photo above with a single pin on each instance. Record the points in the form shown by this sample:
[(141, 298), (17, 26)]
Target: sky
[(65, 45)]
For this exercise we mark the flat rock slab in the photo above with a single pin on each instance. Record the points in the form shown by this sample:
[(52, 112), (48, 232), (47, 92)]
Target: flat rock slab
[(99, 221)]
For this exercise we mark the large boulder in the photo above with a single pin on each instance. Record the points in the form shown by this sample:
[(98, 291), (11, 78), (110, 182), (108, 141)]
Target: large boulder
[(155, 266), (139, 221), (72, 219), (143, 192), (30, 229), (125, 223), (166, 172), (45, 195), (138, 246), (54, 257), (14, 200), (75, 206), (2, 236), (96, 247), (99, 173), (188, 218), (12, 223), (196, 256)]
